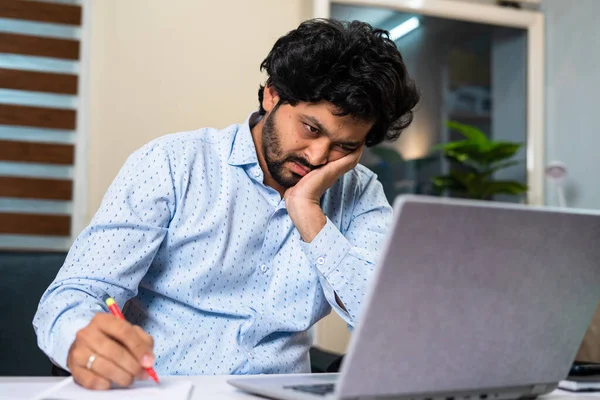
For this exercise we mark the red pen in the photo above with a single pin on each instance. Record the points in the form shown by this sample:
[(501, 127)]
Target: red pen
[(114, 310)]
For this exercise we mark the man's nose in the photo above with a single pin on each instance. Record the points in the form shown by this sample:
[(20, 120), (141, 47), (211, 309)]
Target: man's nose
[(317, 153)]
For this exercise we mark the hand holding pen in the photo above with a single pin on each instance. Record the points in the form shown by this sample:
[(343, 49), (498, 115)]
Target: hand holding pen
[(110, 350)]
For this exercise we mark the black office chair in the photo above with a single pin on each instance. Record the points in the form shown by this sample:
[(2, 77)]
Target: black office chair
[(324, 361), (25, 277)]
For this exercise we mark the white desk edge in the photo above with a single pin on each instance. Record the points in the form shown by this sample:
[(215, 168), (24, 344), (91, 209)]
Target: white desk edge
[(205, 387)]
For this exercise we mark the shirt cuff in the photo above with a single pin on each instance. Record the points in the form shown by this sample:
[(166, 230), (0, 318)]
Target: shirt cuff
[(327, 249), (63, 337)]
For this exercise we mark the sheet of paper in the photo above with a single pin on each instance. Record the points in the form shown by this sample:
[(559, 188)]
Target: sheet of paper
[(21, 390), (167, 389)]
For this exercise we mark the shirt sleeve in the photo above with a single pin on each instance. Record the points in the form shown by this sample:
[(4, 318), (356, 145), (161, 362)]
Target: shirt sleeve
[(112, 255), (345, 261)]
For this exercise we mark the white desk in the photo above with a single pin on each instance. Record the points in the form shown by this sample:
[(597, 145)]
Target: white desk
[(205, 387)]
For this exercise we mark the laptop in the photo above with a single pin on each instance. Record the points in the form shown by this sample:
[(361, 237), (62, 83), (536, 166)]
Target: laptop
[(470, 300)]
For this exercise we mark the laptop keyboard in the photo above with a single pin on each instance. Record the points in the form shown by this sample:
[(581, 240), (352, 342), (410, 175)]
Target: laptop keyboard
[(320, 389)]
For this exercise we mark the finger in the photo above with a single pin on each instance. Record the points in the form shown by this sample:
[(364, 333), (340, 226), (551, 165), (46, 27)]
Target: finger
[(70, 361), (142, 375), (316, 182), (89, 379), (352, 159), (124, 333), (339, 167), (113, 372), (102, 366), (358, 152), (144, 336), (99, 343)]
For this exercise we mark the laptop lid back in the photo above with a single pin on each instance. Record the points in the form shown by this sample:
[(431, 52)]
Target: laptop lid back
[(474, 295)]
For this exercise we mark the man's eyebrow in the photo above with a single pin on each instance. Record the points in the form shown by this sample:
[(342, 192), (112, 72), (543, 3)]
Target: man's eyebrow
[(317, 124), (320, 127)]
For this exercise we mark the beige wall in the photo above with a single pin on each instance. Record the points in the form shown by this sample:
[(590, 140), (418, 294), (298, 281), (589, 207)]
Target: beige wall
[(159, 67)]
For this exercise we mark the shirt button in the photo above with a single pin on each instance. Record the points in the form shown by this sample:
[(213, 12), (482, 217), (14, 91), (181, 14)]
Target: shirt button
[(263, 268), (256, 173), (321, 260)]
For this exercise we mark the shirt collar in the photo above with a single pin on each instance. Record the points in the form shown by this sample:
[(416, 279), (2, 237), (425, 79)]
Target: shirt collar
[(243, 151)]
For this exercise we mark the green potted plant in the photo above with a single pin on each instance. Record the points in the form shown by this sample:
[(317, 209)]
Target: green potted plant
[(473, 163)]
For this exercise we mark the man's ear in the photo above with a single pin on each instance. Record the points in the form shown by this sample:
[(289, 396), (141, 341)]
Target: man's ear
[(270, 98)]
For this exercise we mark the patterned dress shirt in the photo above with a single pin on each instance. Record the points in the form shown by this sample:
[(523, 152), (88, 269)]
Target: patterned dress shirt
[(207, 260)]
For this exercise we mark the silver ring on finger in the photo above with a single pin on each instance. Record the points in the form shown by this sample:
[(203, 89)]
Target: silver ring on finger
[(90, 361)]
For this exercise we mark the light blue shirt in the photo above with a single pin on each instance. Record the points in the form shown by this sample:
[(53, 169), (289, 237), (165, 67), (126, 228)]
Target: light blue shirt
[(209, 262)]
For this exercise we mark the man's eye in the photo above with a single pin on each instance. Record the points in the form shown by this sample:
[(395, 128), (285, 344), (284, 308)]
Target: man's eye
[(311, 129), (346, 149)]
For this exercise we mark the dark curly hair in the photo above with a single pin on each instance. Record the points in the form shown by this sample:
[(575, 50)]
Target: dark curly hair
[(350, 64)]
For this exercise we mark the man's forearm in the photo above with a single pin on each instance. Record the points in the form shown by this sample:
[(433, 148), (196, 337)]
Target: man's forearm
[(308, 219)]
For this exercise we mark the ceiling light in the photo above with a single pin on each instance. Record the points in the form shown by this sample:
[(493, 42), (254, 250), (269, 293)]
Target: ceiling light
[(407, 26)]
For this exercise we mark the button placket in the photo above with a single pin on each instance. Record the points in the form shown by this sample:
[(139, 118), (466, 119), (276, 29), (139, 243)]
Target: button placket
[(272, 240)]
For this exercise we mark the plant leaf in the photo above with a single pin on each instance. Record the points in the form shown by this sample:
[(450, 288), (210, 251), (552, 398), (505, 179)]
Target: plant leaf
[(474, 182), (504, 187), (456, 145), (505, 164), (497, 167), (474, 161), (462, 160), (447, 182), (470, 132), (498, 151)]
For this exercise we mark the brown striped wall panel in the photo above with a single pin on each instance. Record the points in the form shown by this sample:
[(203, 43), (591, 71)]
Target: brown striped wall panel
[(36, 188), (40, 117), (39, 46), (44, 153), (39, 11), (35, 224), (38, 81)]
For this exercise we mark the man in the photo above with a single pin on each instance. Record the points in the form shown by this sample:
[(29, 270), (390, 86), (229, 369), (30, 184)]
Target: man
[(227, 246)]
